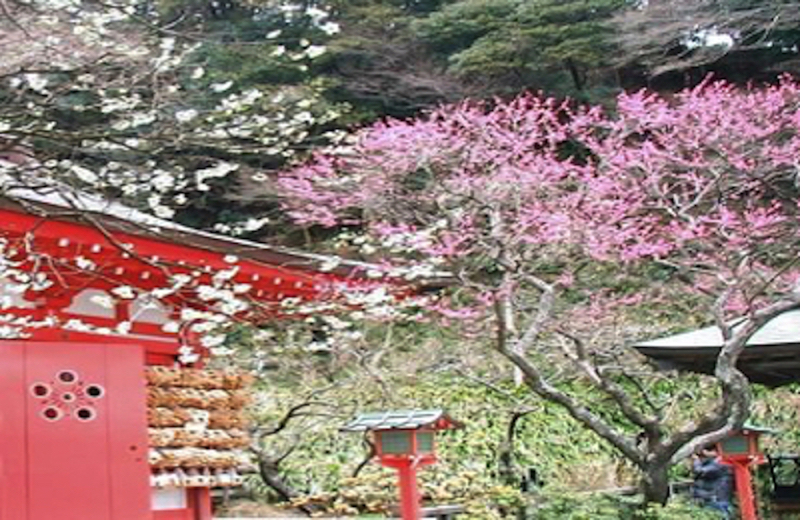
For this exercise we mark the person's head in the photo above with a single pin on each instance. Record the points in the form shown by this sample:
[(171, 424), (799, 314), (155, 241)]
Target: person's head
[(709, 452)]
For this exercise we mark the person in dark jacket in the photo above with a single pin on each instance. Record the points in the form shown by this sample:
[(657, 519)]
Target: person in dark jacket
[(713, 481)]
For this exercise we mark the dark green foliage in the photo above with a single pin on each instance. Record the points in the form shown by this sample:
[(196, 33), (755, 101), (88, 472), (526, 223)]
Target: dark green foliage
[(395, 57), (378, 64), (518, 42)]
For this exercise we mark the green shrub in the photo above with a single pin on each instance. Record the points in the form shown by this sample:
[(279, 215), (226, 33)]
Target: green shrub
[(599, 506)]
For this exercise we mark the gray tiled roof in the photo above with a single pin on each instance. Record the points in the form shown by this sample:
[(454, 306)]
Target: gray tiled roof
[(783, 329), (750, 427), (396, 420)]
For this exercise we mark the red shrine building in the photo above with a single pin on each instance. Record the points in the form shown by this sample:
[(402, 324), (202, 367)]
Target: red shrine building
[(107, 411)]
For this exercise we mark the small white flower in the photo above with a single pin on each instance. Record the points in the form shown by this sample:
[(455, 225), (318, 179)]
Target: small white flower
[(241, 288), (220, 169), (330, 28), (168, 43), (171, 327), (198, 73), (330, 264), (36, 82), (85, 263), (124, 291), (164, 212), (159, 293), (203, 327), (184, 116), (225, 274), (208, 293), (187, 358), (316, 13), (231, 307), (143, 118), (104, 300), (84, 174), (273, 34), (76, 324), (162, 180), (121, 126), (221, 87), (255, 223), (315, 51), (191, 314), (336, 323), (124, 327), (210, 341)]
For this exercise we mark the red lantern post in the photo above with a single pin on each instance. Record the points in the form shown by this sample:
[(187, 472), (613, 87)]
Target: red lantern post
[(405, 441), (742, 451)]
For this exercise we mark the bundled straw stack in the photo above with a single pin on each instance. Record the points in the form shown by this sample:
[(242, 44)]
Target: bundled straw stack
[(196, 426)]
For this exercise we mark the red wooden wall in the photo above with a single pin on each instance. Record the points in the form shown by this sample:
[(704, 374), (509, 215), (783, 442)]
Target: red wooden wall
[(73, 433)]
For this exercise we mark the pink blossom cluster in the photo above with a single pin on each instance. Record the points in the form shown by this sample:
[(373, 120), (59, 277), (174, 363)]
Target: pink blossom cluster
[(703, 180)]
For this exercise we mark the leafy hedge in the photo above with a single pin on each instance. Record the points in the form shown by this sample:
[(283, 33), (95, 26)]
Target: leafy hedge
[(566, 457)]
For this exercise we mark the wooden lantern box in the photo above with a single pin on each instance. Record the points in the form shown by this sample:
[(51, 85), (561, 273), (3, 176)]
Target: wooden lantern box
[(99, 422), (744, 444)]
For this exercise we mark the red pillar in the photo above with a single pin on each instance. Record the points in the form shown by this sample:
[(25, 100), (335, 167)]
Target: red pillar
[(201, 503), (409, 493), (744, 489)]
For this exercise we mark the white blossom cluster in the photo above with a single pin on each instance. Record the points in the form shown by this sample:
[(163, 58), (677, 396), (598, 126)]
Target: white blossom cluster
[(147, 95), (122, 111)]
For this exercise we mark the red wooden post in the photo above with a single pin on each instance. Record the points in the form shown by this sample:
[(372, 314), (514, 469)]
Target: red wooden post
[(202, 503), (13, 444), (742, 451), (744, 489), (409, 492)]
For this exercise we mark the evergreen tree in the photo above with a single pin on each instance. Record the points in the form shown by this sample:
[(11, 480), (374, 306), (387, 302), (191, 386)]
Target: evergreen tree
[(523, 44)]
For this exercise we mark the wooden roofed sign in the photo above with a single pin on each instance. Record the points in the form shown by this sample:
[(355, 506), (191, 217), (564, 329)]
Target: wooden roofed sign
[(402, 420)]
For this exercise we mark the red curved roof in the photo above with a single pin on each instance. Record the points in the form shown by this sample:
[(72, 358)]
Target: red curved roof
[(81, 242)]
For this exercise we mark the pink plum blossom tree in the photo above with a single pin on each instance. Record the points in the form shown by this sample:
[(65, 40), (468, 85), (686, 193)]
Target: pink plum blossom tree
[(557, 219)]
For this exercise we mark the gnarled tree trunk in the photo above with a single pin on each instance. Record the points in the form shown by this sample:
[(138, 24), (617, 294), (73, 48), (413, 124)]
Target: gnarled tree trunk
[(655, 482)]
